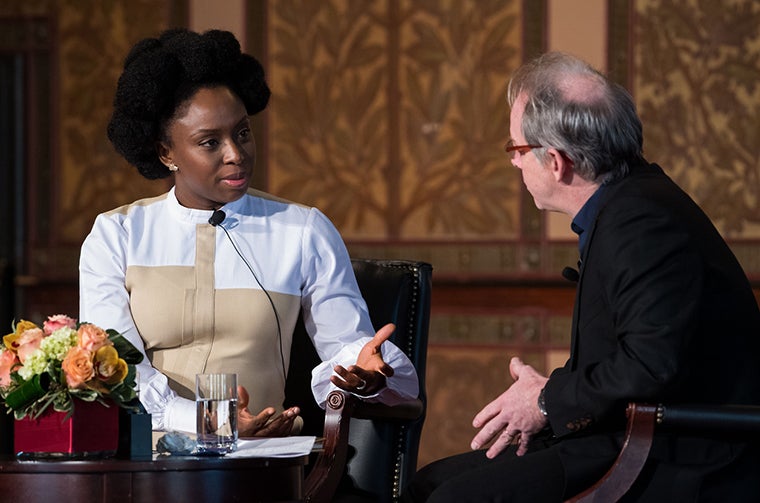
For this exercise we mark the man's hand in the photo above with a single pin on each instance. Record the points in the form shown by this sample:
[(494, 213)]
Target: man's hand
[(514, 415), (263, 424), (367, 376)]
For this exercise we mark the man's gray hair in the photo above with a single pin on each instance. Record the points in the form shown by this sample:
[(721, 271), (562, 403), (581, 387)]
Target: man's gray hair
[(574, 108)]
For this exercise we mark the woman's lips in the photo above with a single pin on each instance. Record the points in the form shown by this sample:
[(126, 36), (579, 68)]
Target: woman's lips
[(236, 180)]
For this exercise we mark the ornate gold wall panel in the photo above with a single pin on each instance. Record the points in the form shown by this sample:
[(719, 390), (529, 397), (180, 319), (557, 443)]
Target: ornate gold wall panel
[(81, 175), (390, 115), (95, 38), (70, 171), (696, 75)]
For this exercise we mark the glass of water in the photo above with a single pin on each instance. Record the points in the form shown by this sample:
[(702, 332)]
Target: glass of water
[(216, 413)]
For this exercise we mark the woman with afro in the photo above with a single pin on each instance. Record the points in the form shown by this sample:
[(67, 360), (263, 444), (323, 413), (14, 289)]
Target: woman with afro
[(211, 276)]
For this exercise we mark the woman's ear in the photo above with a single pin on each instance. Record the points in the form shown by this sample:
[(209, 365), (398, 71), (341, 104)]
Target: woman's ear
[(164, 153)]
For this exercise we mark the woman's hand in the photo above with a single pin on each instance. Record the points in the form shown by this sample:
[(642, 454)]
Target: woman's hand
[(264, 424), (367, 376)]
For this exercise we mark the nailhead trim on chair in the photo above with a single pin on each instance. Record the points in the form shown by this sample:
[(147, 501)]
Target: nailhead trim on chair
[(409, 350)]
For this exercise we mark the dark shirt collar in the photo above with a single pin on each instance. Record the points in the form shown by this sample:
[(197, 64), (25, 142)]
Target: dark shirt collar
[(584, 219)]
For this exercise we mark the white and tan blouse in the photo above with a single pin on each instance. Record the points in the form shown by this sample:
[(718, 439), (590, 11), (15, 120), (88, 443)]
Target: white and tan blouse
[(175, 286)]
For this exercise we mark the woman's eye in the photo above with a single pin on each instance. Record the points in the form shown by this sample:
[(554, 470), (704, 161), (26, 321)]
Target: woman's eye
[(209, 143), (244, 133)]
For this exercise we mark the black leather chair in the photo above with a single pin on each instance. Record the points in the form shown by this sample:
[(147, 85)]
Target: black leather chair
[(369, 449), (723, 420)]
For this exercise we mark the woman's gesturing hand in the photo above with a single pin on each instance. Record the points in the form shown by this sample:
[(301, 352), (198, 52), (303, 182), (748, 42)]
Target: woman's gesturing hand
[(367, 376), (265, 423)]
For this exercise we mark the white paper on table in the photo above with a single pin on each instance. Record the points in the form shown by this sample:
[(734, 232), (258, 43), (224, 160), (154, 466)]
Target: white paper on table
[(280, 447)]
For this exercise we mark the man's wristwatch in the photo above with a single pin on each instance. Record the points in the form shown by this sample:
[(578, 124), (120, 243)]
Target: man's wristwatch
[(542, 402)]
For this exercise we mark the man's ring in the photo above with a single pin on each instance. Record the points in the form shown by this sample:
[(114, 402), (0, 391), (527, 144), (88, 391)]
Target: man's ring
[(362, 385)]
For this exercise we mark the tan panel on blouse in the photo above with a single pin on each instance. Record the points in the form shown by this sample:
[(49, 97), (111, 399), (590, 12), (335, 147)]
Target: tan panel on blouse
[(189, 330)]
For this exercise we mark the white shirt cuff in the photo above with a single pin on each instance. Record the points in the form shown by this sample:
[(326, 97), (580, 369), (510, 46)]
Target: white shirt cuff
[(180, 415)]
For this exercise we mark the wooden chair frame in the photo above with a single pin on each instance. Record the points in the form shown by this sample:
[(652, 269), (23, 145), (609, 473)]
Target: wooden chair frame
[(642, 421), (340, 408), (396, 291)]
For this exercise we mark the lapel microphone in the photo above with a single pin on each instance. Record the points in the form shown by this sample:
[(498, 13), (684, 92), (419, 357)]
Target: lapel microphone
[(217, 217), (571, 274)]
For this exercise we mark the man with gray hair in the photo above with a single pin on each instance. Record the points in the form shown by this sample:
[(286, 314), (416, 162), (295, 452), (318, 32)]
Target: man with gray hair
[(663, 314)]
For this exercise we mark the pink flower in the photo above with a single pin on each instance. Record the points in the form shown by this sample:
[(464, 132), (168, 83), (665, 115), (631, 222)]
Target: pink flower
[(57, 321), (8, 360), (77, 366), (92, 337), (28, 342)]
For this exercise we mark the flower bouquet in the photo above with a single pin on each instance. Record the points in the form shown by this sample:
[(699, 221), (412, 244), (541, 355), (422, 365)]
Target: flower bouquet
[(48, 366), (65, 369)]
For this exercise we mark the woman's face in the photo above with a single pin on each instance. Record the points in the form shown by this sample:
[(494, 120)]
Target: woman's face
[(211, 144)]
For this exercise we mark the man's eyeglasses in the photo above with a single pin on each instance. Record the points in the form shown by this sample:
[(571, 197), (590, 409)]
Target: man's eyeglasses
[(511, 149)]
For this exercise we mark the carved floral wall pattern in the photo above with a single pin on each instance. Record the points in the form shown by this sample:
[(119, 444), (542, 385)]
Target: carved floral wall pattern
[(327, 116), (390, 115), (697, 85), (92, 37), (95, 38), (454, 67)]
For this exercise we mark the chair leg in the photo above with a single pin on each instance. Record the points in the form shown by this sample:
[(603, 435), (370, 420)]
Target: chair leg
[(325, 476), (623, 473)]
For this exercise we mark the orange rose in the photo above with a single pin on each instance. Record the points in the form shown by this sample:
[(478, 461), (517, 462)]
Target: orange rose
[(78, 368), (92, 337), (8, 360), (109, 368)]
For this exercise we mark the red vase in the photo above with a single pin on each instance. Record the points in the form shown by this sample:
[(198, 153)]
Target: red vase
[(93, 430)]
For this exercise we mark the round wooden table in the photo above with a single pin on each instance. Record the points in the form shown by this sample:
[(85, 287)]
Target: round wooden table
[(165, 479)]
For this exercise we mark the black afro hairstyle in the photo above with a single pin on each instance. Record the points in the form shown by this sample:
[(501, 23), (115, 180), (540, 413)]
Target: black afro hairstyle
[(161, 74)]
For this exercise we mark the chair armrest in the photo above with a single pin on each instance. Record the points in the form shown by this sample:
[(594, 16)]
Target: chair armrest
[(405, 411), (620, 477), (324, 477), (722, 419), (716, 419)]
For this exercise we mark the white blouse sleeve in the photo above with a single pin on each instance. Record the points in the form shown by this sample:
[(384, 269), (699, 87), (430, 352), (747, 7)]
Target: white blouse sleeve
[(337, 319), (104, 301)]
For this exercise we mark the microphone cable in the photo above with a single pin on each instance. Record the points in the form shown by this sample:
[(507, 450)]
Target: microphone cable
[(216, 221)]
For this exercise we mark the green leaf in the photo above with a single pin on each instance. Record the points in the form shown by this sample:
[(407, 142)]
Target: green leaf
[(125, 396), (28, 392), (126, 349)]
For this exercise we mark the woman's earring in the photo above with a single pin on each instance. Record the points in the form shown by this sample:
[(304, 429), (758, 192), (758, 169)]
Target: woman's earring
[(173, 167)]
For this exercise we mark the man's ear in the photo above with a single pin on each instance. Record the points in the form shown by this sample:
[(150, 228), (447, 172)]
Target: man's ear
[(561, 166), (164, 153)]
